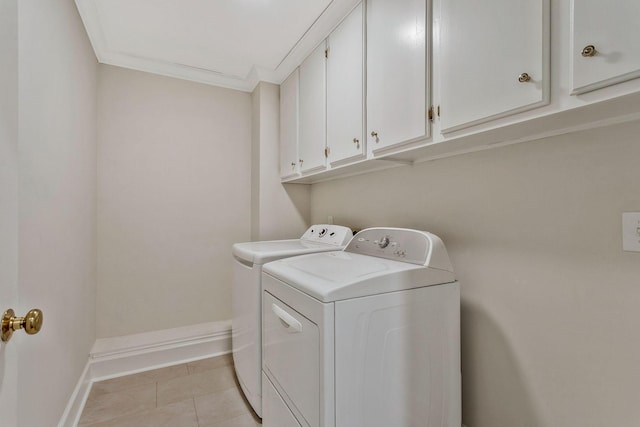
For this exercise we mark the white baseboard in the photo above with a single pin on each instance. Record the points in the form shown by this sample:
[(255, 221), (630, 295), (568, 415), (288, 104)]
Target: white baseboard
[(115, 357), (119, 356), (74, 408)]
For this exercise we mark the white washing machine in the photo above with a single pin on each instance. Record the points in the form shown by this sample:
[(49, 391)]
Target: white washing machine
[(247, 293), (365, 337)]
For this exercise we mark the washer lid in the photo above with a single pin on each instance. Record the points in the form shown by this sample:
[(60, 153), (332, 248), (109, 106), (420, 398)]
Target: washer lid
[(334, 276), (318, 238), (263, 252)]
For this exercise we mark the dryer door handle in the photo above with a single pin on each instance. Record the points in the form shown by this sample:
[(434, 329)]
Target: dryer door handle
[(288, 320)]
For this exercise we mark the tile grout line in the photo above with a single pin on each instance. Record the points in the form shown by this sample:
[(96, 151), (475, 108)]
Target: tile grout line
[(195, 410)]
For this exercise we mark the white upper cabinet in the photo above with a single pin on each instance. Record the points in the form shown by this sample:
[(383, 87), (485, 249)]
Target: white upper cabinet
[(345, 82), (312, 107), (494, 59), (397, 91), (289, 126), (605, 43), (365, 106)]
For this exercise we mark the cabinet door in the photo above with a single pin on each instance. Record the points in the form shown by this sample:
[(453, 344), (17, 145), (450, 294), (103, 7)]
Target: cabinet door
[(311, 144), (486, 52), (612, 28), (397, 90), (289, 126), (345, 90)]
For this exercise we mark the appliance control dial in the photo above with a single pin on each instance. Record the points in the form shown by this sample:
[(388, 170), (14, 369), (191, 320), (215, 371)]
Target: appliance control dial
[(322, 232), (384, 242)]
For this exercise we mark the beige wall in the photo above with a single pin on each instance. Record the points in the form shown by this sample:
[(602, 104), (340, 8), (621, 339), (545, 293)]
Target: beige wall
[(278, 211), (57, 186), (550, 302), (174, 172)]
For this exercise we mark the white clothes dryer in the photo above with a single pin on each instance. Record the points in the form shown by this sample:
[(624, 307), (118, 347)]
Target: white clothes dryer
[(246, 321), (368, 336)]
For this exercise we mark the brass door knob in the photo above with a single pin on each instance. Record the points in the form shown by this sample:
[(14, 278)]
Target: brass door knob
[(524, 77), (31, 323), (589, 51)]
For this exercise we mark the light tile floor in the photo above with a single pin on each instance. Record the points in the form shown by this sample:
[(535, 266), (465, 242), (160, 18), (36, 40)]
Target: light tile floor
[(198, 394)]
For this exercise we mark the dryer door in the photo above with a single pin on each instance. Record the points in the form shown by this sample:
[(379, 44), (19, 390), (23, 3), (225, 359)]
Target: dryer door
[(276, 412), (292, 358)]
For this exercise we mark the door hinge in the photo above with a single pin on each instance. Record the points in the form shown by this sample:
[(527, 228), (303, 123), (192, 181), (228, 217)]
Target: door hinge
[(327, 150), (433, 112), (326, 53)]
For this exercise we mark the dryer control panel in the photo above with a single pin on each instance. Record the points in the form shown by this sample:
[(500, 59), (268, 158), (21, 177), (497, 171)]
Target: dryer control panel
[(401, 244), (330, 234)]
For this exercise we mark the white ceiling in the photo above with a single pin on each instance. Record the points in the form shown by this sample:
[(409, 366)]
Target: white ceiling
[(229, 43)]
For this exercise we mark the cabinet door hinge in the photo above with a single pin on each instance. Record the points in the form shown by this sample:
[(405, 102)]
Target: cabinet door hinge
[(327, 150), (433, 112), (326, 53)]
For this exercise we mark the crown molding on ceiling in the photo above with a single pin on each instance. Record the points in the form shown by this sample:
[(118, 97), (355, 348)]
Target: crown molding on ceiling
[(319, 30)]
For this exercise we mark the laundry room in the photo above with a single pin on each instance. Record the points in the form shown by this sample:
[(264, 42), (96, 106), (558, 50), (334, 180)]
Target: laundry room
[(485, 154)]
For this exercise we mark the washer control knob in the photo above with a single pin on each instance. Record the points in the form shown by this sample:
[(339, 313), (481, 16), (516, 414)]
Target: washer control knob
[(384, 242), (322, 232)]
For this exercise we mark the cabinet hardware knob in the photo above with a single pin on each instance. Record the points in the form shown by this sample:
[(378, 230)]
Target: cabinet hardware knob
[(589, 51), (293, 164), (31, 323), (356, 140), (524, 77), (374, 134), (301, 161)]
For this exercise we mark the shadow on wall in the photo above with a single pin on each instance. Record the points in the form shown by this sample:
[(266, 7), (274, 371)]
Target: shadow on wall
[(300, 197), (488, 363)]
